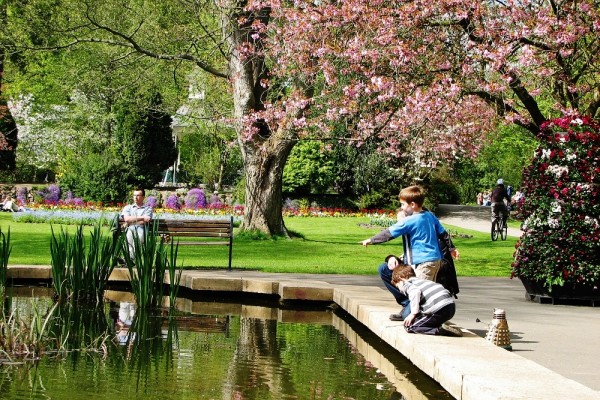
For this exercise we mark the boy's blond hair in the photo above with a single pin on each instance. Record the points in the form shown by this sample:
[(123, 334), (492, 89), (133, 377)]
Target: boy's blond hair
[(401, 272), (412, 194)]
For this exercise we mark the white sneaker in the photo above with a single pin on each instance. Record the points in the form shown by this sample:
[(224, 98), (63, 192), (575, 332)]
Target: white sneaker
[(450, 330)]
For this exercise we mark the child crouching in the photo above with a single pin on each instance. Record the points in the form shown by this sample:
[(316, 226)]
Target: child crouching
[(430, 304)]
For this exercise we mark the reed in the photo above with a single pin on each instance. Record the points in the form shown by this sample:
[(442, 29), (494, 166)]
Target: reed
[(148, 264), (5, 249), (80, 268), (25, 337)]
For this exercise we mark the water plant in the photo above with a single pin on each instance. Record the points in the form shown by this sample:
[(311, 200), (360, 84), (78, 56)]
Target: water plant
[(51, 329), (80, 272), (24, 337), (148, 265), (5, 249)]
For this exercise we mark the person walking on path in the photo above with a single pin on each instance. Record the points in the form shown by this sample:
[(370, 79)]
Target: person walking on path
[(421, 248)]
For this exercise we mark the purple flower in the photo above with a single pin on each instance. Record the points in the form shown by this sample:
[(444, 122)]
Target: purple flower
[(22, 196), (215, 200), (173, 202), (52, 193), (195, 199), (151, 201)]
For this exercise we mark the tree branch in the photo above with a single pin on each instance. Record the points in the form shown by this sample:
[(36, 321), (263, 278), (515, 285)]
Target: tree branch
[(131, 43), (502, 108)]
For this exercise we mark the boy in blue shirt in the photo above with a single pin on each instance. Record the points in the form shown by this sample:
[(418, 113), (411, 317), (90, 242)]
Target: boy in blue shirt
[(420, 230)]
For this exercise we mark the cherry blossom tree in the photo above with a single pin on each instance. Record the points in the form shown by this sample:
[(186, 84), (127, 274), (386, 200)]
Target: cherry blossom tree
[(437, 75)]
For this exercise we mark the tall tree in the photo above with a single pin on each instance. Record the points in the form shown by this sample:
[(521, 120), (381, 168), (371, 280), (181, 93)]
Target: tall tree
[(144, 141)]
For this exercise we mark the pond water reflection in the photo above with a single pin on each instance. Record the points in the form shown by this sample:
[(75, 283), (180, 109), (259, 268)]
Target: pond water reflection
[(227, 351)]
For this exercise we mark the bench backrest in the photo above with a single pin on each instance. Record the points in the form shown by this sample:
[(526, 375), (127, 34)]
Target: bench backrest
[(221, 228)]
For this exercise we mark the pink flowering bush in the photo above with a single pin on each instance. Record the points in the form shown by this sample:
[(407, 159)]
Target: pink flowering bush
[(561, 240)]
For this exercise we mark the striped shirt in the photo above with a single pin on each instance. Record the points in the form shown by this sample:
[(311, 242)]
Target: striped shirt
[(426, 296)]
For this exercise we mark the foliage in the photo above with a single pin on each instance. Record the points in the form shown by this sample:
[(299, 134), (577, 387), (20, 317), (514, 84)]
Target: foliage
[(80, 271), (561, 240), (505, 153), (5, 249), (145, 141), (441, 188), (96, 177), (373, 199), (207, 145), (152, 258), (309, 169)]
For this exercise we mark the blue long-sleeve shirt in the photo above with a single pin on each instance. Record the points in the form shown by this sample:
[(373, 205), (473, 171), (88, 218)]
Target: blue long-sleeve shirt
[(420, 231)]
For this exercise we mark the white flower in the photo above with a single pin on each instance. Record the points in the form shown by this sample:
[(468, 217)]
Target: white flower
[(553, 223), (577, 121), (558, 170), (570, 155), (545, 153), (555, 207), (591, 221)]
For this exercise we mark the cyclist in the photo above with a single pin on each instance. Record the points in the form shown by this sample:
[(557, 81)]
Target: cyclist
[(498, 206)]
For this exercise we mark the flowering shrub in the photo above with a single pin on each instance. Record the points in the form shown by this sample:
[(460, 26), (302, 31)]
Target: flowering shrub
[(195, 199), (69, 200), (151, 201), (172, 203), (22, 195), (561, 239), (215, 200), (52, 194)]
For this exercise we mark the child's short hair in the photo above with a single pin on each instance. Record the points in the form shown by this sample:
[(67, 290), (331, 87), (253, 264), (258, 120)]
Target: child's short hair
[(402, 272), (414, 194)]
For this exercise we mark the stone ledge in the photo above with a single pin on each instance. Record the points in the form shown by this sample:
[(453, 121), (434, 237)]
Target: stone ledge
[(469, 368)]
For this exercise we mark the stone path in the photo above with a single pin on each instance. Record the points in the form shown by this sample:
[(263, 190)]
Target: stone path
[(476, 218)]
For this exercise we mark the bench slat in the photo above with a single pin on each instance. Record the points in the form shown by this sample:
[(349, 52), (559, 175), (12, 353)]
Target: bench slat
[(188, 229), (193, 224), (202, 243), (218, 229)]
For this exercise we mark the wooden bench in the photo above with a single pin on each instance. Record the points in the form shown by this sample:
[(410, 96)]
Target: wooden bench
[(205, 228)]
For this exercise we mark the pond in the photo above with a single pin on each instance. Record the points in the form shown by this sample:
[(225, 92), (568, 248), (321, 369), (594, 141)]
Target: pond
[(219, 351)]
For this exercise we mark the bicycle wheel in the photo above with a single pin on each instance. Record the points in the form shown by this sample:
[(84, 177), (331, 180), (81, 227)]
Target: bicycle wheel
[(503, 228), (494, 230)]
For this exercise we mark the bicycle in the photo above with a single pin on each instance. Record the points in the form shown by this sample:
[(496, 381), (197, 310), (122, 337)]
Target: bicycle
[(499, 227)]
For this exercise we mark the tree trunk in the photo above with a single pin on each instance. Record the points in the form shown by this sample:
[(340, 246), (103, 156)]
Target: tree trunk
[(264, 172), (265, 152)]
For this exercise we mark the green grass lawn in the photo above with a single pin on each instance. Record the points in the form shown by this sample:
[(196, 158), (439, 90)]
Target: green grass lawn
[(329, 245)]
